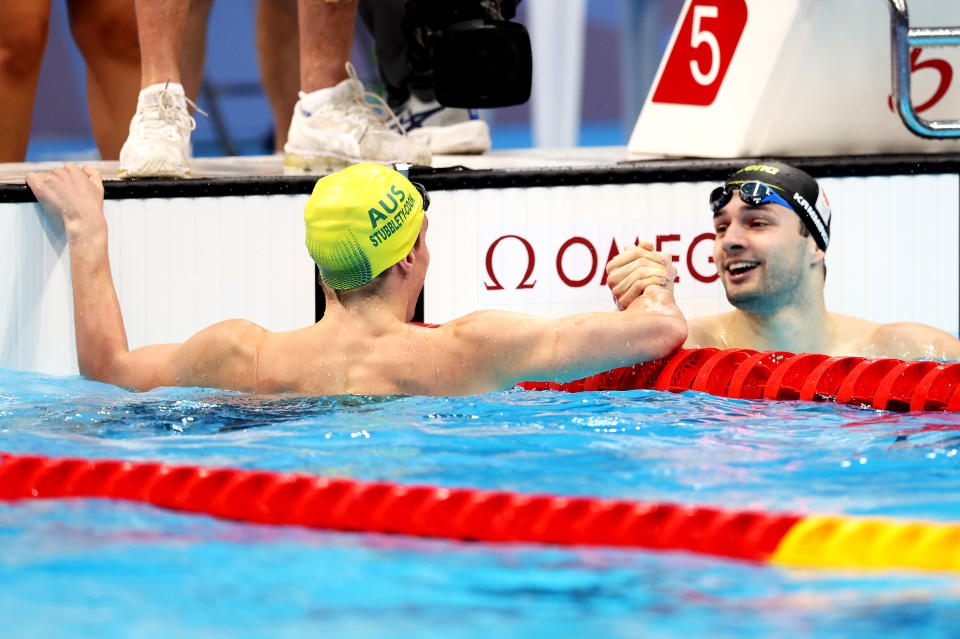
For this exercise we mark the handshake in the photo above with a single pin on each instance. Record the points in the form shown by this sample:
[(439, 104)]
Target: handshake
[(635, 269)]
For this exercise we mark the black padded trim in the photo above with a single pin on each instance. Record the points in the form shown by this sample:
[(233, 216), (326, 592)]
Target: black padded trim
[(459, 178), (146, 188), (679, 170)]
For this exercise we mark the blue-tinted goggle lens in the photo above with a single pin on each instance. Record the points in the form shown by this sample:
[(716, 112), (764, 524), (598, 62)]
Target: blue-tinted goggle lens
[(753, 193)]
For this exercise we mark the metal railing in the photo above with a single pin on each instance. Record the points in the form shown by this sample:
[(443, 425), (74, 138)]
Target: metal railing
[(902, 38)]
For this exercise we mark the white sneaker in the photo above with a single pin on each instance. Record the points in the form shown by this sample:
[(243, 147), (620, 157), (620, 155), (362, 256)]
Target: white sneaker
[(336, 127), (158, 144), (444, 130)]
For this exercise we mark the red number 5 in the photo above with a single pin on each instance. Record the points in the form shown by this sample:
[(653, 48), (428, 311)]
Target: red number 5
[(702, 36), (701, 53)]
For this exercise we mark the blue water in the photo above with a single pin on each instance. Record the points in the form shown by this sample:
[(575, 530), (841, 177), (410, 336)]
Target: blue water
[(97, 568)]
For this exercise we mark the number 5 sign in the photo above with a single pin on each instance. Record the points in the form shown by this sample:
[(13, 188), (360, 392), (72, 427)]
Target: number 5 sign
[(701, 53)]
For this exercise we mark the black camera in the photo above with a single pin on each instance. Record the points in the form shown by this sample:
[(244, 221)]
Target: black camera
[(469, 51)]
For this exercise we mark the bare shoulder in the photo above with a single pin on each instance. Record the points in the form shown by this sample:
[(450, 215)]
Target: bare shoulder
[(911, 340), (850, 325), (234, 333), (706, 331), (849, 335), (222, 355), (900, 340)]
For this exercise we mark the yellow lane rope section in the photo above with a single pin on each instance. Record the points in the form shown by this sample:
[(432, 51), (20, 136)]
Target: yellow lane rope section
[(850, 542)]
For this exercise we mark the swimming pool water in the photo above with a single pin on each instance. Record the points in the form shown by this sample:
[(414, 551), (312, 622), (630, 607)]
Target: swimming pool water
[(110, 569)]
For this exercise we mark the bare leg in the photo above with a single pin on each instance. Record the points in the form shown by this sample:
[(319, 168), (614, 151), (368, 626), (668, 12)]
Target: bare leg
[(159, 140), (160, 24), (194, 50), (335, 103), (326, 39), (21, 54), (278, 47), (106, 34)]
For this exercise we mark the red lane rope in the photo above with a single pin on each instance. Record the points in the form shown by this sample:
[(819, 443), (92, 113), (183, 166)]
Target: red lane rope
[(427, 511), (886, 384)]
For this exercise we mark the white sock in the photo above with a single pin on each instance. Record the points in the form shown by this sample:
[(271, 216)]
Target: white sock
[(314, 99), (148, 95), (173, 87)]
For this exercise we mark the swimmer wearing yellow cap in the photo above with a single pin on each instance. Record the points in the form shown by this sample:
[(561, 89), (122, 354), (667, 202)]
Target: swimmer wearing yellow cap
[(366, 230), (361, 221)]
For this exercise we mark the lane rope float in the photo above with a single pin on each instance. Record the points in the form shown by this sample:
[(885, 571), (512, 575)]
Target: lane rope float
[(267, 497), (885, 384)]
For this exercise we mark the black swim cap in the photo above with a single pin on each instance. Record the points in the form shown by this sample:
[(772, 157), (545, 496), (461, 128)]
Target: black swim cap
[(799, 189)]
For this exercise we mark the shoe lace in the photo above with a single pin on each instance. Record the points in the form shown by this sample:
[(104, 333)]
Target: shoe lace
[(373, 108), (159, 116)]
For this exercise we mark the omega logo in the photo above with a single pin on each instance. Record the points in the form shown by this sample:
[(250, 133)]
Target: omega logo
[(493, 281), (531, 261)]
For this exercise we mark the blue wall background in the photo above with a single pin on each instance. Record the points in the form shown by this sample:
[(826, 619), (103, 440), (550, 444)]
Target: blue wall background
[(60, 128)]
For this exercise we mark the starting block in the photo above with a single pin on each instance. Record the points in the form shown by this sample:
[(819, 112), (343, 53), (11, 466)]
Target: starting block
[(748, 78)]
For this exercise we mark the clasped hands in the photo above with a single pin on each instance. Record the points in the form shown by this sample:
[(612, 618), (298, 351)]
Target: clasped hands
[(637, 267)]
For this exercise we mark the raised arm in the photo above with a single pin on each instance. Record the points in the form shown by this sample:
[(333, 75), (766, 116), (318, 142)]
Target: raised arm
[(218, 356), (651, 325), (504, 348)]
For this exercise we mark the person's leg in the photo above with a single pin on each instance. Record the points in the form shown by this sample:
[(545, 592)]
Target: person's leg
[(159, 140), (332, 124), (106, 34), (278, 50), (193, 53), (23, 38), (161, 25), (326, 40)]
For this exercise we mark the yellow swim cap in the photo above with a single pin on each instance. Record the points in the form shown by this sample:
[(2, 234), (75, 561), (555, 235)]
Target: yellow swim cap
[(360, 222)]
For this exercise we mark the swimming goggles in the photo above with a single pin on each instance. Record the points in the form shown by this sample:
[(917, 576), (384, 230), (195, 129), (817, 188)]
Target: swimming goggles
[(753, 193), (423, 194)]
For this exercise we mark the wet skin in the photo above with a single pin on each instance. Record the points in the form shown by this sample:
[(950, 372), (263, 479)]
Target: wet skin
[(761, 256)]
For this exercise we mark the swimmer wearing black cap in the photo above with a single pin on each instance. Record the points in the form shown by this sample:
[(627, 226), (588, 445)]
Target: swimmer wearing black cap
[(772, 223), (364, 344)]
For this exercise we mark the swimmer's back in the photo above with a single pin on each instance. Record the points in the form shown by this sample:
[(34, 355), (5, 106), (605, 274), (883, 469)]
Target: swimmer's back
[(333, 357)]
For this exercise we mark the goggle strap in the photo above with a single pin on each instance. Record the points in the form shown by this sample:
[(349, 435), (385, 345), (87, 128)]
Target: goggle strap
[(423, 194)]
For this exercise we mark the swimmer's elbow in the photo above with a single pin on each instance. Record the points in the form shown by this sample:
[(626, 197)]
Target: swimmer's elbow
[(95, 372), (115, 371), (663, 333), (680, 332), (660, 319), (673, 333)]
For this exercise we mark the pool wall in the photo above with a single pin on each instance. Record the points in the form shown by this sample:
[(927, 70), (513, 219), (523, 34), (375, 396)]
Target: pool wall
[(186, 254), (178, 264)]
